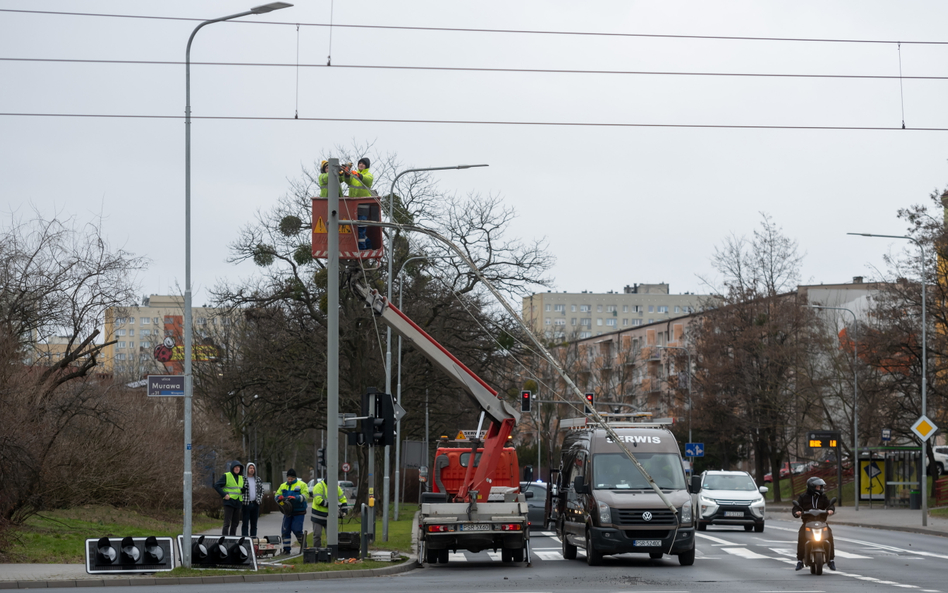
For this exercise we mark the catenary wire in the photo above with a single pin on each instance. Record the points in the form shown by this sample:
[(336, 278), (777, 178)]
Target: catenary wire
[(498, 31), (495, 70), (486, 122)]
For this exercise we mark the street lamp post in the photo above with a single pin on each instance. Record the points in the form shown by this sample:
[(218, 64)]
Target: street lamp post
[(924, 470), (188, 321), (388, 331), (398, 357), (855, 400), (687, 352)]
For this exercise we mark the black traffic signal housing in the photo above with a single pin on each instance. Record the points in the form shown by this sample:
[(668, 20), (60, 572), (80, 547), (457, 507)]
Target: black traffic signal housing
[(129, 554), (221, 552), (590, 402), (525, 398), (321, 457), (378, 427)]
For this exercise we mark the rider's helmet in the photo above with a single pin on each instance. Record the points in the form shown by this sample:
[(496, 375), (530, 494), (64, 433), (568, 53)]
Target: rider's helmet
[(815, 486)]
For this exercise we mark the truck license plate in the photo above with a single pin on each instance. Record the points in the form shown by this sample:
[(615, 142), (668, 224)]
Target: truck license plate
[(647, 543), (475, 527), (733, 513)]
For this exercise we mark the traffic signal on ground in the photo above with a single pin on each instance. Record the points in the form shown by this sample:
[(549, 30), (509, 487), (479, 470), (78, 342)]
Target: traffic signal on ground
[(129, 554), (222, 552), (590, 400), (321, 457), (525, 397)]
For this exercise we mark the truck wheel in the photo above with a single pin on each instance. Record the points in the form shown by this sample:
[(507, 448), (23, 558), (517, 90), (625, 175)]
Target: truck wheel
[(593, 556), (505, 555), (431, 556), (443, 556), (517, 555), (569, 550), (687, 558)]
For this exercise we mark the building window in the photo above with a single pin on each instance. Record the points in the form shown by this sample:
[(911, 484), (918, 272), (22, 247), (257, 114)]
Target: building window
[(625, 322), (144, 332), (146, 344), (547, 321), (677, 309), (611, 322), (651, 321), (120, 345), (120, 332), (131, 320), (202, 321), (131, 344), (663, 309), (585, 308), (120, 356), (169, 333), (154, 320), (572, 308), (651, 309), (131, 333), (572, 321), (598, 308), (169, 319), (610, 308), (599, 321), (586, 321), (625, 308), (585, 335), (636, 322), (559, 321), (559, 308), (547, 308), (146, 320)]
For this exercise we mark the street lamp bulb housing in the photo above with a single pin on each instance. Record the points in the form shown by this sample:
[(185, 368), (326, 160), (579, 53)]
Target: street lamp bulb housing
[(270, 7)]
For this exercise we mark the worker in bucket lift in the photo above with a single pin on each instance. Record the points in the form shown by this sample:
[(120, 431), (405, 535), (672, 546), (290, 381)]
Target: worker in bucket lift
[(359, 180), (324, 180)]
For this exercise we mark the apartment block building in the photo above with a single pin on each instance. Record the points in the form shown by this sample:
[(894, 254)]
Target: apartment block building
[(572, 315), (149, 338)]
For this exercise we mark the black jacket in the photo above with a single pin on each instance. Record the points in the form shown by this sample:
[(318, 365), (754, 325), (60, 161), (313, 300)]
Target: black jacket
[(815, 501), (234, 501)]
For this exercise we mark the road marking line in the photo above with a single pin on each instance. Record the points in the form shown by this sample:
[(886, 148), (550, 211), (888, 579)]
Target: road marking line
[(716, 540), (851, 556), (549, 555), (495, 556), (744, 553), (457, 557)]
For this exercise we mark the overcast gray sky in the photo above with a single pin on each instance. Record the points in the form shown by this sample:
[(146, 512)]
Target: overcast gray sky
[(658, 163)]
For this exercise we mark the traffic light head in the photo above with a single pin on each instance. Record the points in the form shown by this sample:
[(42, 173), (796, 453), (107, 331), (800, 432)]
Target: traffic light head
[(321, 457), (129, 554), (525, 399), (590, 400), (225, 552), (379, 426)]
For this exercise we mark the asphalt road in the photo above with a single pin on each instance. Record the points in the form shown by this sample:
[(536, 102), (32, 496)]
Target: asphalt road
[(728, 560)]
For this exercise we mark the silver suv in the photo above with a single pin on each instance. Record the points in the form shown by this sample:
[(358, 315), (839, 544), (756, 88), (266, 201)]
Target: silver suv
[(729, 498)]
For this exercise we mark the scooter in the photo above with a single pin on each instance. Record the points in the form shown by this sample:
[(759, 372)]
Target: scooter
[(817, 550)]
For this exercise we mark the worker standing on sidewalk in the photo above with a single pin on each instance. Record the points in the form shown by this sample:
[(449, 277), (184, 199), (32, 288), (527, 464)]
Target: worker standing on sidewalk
[(320, 513), (293, 497), (229, 486)]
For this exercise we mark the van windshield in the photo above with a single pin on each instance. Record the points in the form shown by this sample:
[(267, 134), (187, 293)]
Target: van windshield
[(615, 471)]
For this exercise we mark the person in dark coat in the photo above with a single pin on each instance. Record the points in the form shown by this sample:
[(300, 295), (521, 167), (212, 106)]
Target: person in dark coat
[(230, 486), (814, 498)]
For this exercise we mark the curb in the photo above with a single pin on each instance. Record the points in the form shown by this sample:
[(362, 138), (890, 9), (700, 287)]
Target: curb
[(405, 566)]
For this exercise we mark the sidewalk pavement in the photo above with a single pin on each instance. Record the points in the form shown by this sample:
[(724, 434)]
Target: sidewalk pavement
[(27, 576), (30, 576)]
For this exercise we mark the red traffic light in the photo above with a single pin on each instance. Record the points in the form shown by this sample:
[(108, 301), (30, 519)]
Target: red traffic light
[(525, 398), (589, 397)]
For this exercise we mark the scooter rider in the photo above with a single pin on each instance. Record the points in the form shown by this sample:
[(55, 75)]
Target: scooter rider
[(814, 498)]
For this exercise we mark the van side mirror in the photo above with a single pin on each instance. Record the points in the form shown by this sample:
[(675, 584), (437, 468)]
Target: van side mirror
[(695, 484), (580, 486)]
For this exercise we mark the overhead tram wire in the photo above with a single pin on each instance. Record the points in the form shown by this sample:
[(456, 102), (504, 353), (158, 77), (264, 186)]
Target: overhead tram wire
[(497, 31), (484, 69), (827, 128)]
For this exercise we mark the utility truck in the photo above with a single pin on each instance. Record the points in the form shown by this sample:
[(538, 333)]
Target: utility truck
[(476, 505)]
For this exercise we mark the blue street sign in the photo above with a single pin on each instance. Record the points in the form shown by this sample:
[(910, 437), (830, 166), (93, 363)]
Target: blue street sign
[(694, 449), (886, 435)]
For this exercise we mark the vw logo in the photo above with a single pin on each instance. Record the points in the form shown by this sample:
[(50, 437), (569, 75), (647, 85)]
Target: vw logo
[(647, 516)]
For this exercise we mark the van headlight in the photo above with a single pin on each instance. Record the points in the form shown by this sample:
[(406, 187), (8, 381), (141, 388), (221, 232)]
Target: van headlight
[(685, 514), (605, 513)]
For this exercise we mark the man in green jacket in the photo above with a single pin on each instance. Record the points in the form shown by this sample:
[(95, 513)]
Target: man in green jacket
[(320, 513), (324, 180), (229, 486), (359, 181)]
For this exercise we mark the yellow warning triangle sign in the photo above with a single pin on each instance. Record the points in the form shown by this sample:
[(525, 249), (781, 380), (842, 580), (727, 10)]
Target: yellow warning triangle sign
[(345, 230), (460, 436), (320, 226)]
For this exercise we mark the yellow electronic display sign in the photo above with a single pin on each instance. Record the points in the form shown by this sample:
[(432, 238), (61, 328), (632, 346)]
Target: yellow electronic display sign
[(827, 439)]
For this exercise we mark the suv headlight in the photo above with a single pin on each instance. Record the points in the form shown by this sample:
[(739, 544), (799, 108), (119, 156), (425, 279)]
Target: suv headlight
[(605, 513), (686, 514)]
